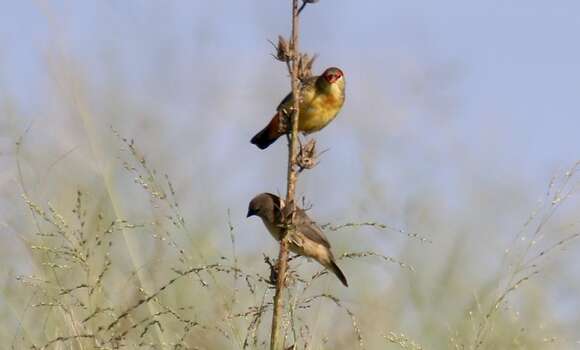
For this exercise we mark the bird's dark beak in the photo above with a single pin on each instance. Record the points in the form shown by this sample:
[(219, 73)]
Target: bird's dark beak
[(251, 212)]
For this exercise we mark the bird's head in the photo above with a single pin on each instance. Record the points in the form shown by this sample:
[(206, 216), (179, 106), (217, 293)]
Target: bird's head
[(263, 205), (333, 75)]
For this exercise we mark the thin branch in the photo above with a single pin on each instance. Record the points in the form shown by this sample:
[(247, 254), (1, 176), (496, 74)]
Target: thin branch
[(304, 3), (276, 341)]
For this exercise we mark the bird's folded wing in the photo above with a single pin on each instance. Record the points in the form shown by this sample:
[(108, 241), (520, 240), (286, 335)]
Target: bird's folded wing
[(310, 229), (286, 104)]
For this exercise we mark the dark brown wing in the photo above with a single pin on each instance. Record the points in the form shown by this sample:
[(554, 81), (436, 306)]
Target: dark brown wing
[(269, 134)]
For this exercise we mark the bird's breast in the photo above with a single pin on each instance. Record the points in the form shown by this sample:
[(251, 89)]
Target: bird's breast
[(319, 110), (274, 229)]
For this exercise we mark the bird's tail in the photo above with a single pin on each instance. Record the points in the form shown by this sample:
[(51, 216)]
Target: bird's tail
[(336, 270), (269, 134)]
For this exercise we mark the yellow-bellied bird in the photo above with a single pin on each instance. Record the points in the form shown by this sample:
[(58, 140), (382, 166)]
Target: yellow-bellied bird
[(321, 98)]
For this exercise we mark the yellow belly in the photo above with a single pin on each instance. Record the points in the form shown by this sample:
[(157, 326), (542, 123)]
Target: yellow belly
[(317, 112)]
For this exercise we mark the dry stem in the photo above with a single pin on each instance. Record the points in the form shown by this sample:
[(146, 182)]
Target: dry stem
[(276, 341)]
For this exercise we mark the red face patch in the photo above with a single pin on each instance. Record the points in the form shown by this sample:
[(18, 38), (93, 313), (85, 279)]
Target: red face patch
[(332, 75)]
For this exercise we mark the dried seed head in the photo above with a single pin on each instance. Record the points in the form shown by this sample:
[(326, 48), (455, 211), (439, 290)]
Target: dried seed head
[(305, 63), (283, 51), (307, 157)]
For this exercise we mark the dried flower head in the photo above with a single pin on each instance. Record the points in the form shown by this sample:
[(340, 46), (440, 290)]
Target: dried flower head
[(283, 50), (307, 157), (305, 63)]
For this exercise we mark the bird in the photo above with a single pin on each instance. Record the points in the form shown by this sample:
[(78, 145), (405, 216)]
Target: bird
[(306, 239), (321, 98)]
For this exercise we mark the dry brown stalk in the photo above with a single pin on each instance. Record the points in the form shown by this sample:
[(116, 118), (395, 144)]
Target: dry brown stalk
[(276, 340)]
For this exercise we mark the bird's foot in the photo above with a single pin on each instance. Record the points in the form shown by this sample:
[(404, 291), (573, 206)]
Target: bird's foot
[(285, 121), (291, 275), (273, 271)]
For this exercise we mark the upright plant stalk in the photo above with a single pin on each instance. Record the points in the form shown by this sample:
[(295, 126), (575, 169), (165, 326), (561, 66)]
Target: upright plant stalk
[(276, 340)]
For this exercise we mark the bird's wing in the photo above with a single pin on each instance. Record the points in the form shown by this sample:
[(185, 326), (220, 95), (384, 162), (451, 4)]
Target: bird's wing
[(287, 102), (309, 228)]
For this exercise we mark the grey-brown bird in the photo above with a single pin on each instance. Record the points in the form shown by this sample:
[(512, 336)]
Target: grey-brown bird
[(307, 239)]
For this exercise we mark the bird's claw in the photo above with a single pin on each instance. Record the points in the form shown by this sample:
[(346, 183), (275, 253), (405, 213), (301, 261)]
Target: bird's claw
[(285, 122)]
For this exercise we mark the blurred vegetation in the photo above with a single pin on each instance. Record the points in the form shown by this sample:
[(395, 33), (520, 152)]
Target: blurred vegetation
[(124, 184)]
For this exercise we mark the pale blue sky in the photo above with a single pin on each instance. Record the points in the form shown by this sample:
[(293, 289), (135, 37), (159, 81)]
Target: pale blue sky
[(516, 64)]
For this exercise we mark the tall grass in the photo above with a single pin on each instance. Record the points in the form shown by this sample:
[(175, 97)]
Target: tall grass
[(86, 293), (90, 294)]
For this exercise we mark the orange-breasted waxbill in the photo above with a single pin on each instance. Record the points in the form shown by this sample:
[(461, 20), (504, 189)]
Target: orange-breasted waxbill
[(321, 98), (306, 239)]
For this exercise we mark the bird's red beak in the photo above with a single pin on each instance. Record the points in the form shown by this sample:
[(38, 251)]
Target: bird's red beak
[(331, 78)]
